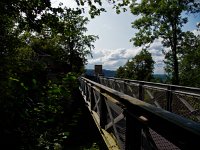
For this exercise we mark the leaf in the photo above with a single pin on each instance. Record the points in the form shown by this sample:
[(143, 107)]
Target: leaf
[(13, 79)]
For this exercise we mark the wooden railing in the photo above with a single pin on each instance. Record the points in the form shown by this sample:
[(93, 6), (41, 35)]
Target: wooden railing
[(135, 124), (184, 101)]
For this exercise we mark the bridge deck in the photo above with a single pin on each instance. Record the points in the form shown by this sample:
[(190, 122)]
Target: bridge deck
[(108, 138), (128, 123)]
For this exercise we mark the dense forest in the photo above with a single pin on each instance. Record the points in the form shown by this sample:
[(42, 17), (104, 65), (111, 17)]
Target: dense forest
[(164, 20), (43, 51)]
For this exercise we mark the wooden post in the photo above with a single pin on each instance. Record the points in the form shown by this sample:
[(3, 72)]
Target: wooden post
[(103, 111), (169, 96), (86, 90), (98, 70), (125, 87), (141, 91), (133, 133), (92, 101)]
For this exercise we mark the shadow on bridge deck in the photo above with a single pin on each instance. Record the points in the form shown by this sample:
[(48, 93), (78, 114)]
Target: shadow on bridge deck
[(83, 131), (135, 124)]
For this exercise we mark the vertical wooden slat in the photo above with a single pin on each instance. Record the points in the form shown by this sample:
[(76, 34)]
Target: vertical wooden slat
[(103, 111), (133, 133), (169, 96), (141, 91)]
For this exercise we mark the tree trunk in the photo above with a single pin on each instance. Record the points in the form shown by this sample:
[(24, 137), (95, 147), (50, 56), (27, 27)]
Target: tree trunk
[(175, 78)]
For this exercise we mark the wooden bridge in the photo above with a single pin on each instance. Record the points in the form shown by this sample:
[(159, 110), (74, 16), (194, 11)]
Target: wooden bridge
[(143, 115)]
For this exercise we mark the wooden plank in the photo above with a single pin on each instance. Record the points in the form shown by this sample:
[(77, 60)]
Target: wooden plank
[(183, 132), (113, 100), (149, 93), (113, 124), (116, 120), (107, 137), (188, 106), (157, 104), (97, 99)]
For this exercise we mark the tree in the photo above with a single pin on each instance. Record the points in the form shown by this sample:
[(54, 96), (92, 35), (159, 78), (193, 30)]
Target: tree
[(66, 42), (120, 72), (144, 65), (33, 107), (18, 13), (139, 68), (16, 16), (162, 19), (189, 60), (188, 55), (76, 44)]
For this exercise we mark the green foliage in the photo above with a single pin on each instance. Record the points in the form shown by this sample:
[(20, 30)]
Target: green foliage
[(76, 45), (188, 54), (189, 60), (139, 68), (39, 46), (162, 19), (50, 112), (120, 72), (95, 7), (38, 123)]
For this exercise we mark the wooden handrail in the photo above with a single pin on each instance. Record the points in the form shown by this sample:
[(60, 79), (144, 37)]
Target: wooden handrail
[(182, 132)]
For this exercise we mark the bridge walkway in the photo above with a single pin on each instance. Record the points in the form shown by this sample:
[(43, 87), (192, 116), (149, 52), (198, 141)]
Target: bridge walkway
[(125, 122)]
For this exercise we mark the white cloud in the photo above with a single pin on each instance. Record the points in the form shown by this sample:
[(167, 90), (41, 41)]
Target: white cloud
[(113, 47), (157, 44), (113, 59), (67, 3), (196, 32)]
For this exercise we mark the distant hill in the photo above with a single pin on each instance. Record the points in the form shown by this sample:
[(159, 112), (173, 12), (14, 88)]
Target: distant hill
[(112, 73), (162, 77), (107, 73)]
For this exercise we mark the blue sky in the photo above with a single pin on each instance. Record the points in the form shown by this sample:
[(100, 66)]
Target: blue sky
[(113, 48)]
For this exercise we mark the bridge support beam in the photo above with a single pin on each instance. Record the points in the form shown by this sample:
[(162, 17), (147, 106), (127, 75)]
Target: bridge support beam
[(133, 133), (141, 92), (169, 96), (103, 114)]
